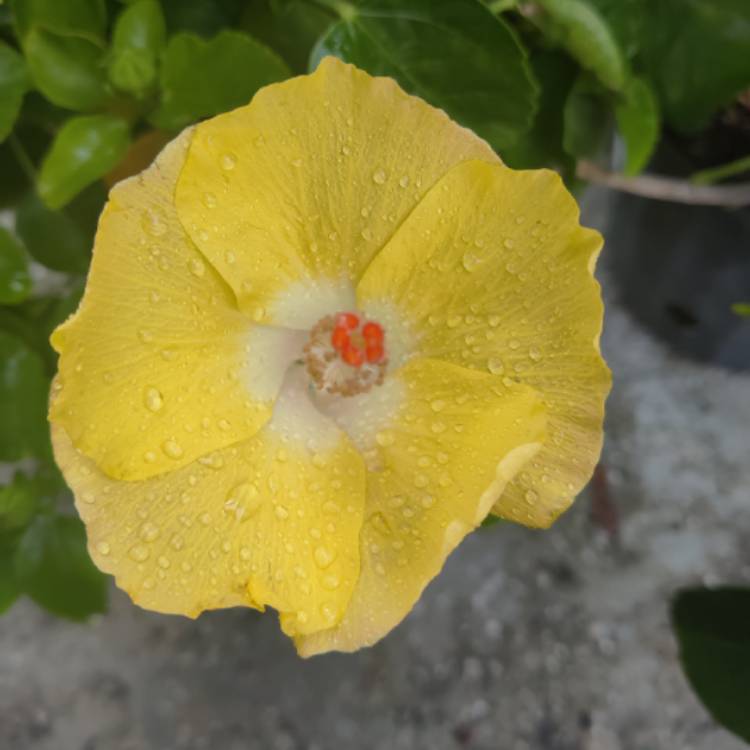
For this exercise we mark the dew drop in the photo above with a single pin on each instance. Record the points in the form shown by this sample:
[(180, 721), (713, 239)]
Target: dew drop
[(535, 354), (437, 405), (228, 162), (495, 366), (197, 267), (384, 438), (323, 557), (103, 548), (172, 449), (404, 181), (379, 177), (281, 512), (148, 531), (139, 553), (210, 200), (153, 223), (331, 581), (494, 321), (153, 400), (470, 262), (421, 480)]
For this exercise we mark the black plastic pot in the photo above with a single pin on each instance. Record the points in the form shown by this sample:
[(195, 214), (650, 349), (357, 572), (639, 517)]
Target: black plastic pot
[(680, 268)]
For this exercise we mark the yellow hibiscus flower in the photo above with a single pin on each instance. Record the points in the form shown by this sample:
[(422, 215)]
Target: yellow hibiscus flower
[(323, 336)]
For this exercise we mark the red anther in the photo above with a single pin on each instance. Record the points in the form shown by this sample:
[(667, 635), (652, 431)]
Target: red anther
[(374, 352), (372, 332), (352, 355), (348, 320), (339, 338)]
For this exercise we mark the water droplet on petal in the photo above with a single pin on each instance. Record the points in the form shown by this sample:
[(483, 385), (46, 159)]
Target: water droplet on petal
[(228, 162), (153, 399), (197, 267), (139, 553), (172, 449), (495, 366), (103, 548), (323, 556), (379, 177)]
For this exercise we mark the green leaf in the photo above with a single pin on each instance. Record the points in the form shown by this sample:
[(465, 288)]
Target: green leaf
[(455, 54), (637, 114), (626, 19), (23, 401), (86, 19), (541, 145), (579, 28), (742, 309), (15, 282), (53, 567), (139, 36), (203, 17), (13, 85), (85, 149), (18, 502), (292, 28), (52, 237), (67, 70), (586, 119), (713, 630), (9, 589), (203, 78), (697, 52)]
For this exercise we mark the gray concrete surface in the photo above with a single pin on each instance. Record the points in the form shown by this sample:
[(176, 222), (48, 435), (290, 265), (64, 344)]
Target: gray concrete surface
[(553, 640)]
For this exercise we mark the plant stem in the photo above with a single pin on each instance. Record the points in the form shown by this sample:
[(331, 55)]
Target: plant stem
[(668, 188), (717, 174), (22, 157)]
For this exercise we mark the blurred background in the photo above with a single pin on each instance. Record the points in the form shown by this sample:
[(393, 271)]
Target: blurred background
[(624, 627)]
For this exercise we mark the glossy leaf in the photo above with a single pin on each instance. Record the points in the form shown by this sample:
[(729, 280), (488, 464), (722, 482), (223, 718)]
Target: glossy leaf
[(52, 237), (23, 401), (578, 27), (9, 589), (626, 19), (454, 54), (203, 17), (697, 52), (290, 28), (86, 19), (67, 70), (15, 283), (713, 630), (637, 114), (139, 35), (13, 84), (202, 78), (542, 144), (586, 119), (53, 567), (85, 149), (18, 501)]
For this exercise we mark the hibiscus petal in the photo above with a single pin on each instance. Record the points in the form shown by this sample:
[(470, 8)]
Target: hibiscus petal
[(158, 366), (291, 196), (493, 271), (274, 521), (441, 442)]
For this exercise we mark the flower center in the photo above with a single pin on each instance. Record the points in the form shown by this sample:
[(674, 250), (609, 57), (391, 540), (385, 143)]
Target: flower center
[(345, 354)]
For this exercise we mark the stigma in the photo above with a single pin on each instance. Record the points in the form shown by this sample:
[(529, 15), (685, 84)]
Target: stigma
[(346, 354)]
